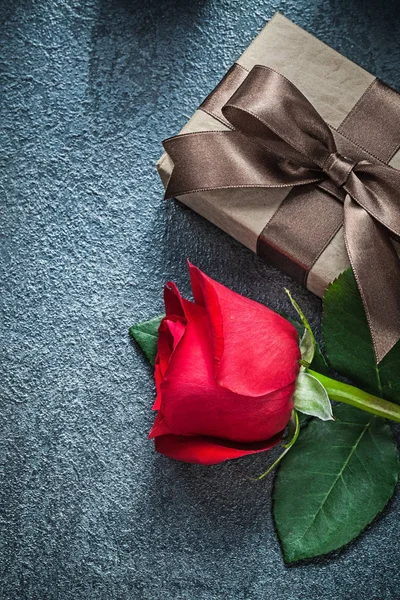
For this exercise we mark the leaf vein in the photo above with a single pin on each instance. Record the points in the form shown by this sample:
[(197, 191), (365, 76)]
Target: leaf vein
[(353, 449)]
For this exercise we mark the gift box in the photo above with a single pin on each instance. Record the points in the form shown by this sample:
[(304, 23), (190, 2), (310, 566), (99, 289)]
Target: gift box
[(300, 228)]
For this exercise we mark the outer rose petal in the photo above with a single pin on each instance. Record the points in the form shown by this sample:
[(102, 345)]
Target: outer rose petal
[(173, 300), (158, 379), (208, 451), (256, 351), (194, 404), (159, 427), (176, 305), (176, 329), (169, 333), (178, 312)]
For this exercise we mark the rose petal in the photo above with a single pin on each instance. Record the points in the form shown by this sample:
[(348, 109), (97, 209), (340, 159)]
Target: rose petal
[(176, 329), (194, 404), (204, 295), (158, 377), (208, 451), (256, 351), (175, 304), (173, 300), (159, 427), (169, 333)]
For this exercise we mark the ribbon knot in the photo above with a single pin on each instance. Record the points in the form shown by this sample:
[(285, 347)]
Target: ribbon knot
[(278, 139), (338, 168)]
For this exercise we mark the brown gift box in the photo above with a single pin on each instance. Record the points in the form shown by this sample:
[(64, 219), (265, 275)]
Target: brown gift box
[(334, 85)]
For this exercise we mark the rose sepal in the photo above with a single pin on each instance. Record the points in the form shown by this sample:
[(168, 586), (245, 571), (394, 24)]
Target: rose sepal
[(294, 425)]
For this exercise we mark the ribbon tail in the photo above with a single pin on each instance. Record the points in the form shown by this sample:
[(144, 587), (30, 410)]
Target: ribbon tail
[(376, 268)]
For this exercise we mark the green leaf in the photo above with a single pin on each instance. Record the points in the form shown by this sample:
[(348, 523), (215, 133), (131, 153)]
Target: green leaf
[(146, 335), (319, 363), (331, 486), (311, 398), (348, 341)]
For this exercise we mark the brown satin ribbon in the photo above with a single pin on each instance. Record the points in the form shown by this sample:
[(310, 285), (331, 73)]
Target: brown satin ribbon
[(280, 140), (223, 91), (306, 221)]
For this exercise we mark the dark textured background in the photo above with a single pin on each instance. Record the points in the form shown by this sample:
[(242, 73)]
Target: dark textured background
[(89, 88)]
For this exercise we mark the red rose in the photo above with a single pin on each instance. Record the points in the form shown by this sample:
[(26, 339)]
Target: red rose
[(225, 374)]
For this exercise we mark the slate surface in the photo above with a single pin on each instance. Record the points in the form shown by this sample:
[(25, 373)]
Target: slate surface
[(88, 511)]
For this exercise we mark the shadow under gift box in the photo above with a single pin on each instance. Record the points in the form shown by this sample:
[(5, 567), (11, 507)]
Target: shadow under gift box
[(344, 94)]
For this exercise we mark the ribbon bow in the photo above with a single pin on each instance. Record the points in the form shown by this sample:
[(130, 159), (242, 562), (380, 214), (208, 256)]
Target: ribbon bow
[(280, 140)]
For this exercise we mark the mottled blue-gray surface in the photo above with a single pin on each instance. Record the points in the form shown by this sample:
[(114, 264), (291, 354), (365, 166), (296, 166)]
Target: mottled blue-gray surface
[(89, 88)]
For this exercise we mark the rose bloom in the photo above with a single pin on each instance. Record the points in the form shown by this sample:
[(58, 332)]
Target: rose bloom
[(225, 374)]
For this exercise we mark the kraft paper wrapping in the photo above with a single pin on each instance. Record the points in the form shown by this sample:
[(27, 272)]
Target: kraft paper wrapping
[(333, 84)]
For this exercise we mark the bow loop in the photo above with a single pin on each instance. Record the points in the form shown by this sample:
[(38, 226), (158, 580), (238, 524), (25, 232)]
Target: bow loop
[(274, 113), (376, 188)]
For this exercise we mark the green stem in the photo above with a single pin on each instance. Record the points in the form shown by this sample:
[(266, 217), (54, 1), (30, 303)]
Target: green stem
[(342, 392)]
